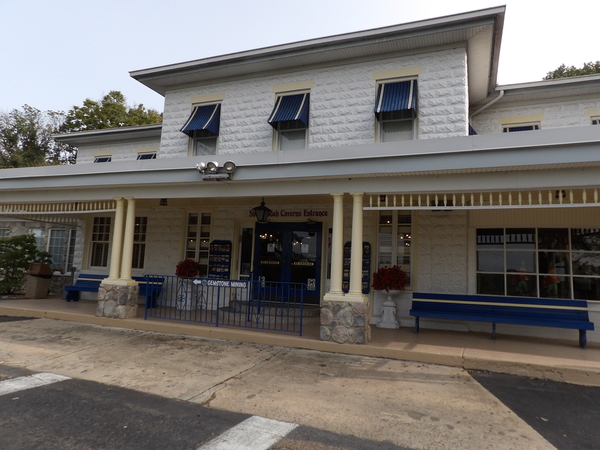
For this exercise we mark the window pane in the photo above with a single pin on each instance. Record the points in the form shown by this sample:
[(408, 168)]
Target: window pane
[(292, 140), (554, 262), (490, 238), (520, 238), (585, 239), (521, 284), (490, 261), (396, 131), (520, 262), (554, 286), (585, 288), (490, 284), (553, 238), (586, 263), (206, 146)]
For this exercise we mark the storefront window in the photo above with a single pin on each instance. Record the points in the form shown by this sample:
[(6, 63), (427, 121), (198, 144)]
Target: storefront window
[(539, 262)]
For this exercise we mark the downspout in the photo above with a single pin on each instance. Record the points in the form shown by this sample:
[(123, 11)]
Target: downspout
[(487, 105)]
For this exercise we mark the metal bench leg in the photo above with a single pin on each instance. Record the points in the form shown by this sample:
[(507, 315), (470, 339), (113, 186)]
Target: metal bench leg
[(416, 324), (583, 338), (494, 331)]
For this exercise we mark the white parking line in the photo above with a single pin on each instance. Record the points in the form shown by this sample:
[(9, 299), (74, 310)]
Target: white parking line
[(31, 381), (254, 433)]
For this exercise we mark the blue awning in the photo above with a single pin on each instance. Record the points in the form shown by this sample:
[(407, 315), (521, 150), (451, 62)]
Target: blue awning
[(290, 107), (399, 96), (206, 117)]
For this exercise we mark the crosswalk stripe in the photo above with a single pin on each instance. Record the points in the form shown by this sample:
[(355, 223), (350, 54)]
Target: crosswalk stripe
[(254, 433), (20, 384)]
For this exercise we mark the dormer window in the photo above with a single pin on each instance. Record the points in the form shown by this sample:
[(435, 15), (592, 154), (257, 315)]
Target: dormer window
[(290, 121), (203, 127), (395, 110)]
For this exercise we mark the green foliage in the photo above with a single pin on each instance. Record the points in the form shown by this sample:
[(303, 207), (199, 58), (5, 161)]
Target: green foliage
[(16, 253), (111, 112), (564, 72), (26, 139)]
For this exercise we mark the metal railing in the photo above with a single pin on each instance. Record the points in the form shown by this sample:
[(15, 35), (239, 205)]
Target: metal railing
[(262, 305)]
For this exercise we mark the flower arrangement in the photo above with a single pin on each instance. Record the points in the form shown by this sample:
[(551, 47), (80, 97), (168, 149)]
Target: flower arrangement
[(390, 278), (187, 268)]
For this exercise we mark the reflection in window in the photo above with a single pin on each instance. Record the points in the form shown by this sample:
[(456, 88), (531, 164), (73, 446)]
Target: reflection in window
[(544, 262)]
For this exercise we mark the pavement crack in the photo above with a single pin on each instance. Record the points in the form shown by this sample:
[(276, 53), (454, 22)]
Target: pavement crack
[(208, 395)]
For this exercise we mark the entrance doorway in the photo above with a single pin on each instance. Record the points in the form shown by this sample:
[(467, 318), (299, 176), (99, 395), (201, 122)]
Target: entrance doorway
[(290, 253)]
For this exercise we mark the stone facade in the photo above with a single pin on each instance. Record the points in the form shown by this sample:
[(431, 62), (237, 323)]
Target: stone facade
[(120, 150), (341, 104), (345, 322), (117, 301), (554, 114)]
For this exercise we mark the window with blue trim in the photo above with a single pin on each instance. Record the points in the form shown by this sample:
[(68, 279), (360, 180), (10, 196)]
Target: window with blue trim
[(289, 119), (203, 127), (396, 110)]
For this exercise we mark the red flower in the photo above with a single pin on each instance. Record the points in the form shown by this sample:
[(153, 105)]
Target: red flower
[(390, 278), (187, 268)]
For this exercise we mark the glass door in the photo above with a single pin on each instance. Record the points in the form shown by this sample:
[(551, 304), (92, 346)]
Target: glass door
[(290, 253)]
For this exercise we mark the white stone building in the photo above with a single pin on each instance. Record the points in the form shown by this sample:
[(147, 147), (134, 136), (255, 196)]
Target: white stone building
[(357, 138)]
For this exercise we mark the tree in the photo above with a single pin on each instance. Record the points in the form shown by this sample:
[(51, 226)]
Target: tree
[(110, 112), (26, 139), (563, 71), (16, 253)]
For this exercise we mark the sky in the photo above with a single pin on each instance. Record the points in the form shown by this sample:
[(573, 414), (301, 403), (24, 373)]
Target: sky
[(55, 54)]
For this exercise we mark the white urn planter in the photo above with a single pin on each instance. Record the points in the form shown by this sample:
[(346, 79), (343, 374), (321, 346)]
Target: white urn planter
[(388, 315)]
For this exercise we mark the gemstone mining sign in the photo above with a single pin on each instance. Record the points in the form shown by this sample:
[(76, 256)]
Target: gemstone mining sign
[(221, 283)]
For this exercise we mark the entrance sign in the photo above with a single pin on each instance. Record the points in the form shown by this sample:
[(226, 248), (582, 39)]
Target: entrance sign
[(295, 213)]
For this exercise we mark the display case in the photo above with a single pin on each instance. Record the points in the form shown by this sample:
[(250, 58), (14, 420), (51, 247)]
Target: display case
[(366, 267), (219, 260)]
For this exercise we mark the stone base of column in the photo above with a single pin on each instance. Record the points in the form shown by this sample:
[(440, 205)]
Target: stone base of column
[(345, 322), (117, 301)]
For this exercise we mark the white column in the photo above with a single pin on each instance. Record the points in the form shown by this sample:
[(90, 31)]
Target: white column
[(355, 292), (337, 249), (128, 242), (117, 242)]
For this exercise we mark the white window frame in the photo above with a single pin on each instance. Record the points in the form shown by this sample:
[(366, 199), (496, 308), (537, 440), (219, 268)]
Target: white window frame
[(4, 232), (197, 238), (139, 242), (595, 120), (101, 245), (400, 227), (506, 127), (145, 155), (278, 131), (394, 117), (103, 158), (205, 135), (57, 249)]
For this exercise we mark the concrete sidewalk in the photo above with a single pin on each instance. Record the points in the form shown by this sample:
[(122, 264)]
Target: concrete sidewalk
[(541, 358)]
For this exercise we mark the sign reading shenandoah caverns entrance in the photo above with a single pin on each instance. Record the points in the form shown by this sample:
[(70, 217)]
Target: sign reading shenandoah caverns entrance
[(295, 213)]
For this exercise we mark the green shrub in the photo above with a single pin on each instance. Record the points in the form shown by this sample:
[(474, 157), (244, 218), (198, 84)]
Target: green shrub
[(16, 253)]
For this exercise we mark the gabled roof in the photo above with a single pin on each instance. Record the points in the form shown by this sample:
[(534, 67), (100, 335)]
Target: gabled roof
[(550, 89), (480, 31)]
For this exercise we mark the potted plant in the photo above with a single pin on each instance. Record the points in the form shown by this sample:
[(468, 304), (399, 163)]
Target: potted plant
[(391, 280), (187, 268)]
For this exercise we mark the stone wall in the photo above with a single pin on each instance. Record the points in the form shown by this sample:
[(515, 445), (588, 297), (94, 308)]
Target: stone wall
[(345, 322), (116, 301)]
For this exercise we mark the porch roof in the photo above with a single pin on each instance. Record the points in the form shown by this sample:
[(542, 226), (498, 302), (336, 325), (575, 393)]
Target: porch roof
[(555, 158)]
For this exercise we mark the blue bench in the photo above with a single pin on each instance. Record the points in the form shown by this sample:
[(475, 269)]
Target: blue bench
[(149, 287), (542, 312)]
